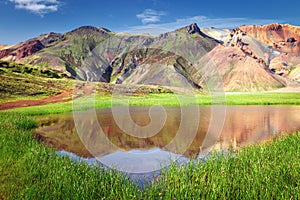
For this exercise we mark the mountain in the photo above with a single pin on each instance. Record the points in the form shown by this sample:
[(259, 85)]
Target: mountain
[(165, 59), (285, 39), (243, 62), (248, 58), (69, 53), (239, 72), (29, 47)]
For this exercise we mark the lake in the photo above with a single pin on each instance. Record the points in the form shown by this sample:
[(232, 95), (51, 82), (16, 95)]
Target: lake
[(129, 144)]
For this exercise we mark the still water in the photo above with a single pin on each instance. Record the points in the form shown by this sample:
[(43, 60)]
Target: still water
[(115, 140)]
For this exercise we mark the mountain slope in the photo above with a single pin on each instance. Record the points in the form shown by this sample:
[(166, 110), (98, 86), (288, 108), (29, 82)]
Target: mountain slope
[(238, 71), (216, 33), (285, 38), (29, 47), (242, 59), (167, 60), (69, 54)]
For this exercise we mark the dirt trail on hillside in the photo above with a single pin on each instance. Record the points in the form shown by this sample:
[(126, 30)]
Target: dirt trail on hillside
[(81, 90)]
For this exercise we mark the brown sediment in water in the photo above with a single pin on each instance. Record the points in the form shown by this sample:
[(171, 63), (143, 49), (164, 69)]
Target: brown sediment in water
[(243, 125)]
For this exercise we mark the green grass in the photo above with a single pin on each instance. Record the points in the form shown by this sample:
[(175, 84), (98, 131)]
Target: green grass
[(104, 101), (29, 170), (269, 171), (263, 99), (23, 82), (12, 98)]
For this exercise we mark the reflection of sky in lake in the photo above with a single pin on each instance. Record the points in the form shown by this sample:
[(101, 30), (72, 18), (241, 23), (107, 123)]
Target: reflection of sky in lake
[(132, 161), (141, 160), (243, 125), (147, 163)]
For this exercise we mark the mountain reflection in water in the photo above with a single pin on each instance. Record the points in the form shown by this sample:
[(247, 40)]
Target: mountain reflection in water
[(243, 125)]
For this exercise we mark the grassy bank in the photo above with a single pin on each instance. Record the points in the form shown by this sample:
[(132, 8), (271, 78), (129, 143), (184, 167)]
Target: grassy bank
[(23, 82), (29, 170), (270, 171), (263, 99), (104, 101)]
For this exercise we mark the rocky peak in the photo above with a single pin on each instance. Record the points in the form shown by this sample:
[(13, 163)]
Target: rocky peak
[(193, 28), (235, 38), (90, 29), (237, 31), (240, 40), (50, 38), (274, 27)]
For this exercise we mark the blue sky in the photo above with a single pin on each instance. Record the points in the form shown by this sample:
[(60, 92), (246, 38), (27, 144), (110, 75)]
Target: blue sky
[(24, 19)]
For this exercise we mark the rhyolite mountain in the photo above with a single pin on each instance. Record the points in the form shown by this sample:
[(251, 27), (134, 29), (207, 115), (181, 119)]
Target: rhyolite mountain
[(248, 58), (285, 39)]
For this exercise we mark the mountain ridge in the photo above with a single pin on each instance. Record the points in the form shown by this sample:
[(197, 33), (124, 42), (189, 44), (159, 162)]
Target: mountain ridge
[(98, 54)]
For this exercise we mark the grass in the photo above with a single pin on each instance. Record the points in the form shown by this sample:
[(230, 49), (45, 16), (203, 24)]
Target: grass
[(23, 82), (263, 99), (104, 101), (269, 171), (29, 170), (13, 98)]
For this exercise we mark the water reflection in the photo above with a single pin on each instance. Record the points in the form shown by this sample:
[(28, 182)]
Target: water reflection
[(243, 125)]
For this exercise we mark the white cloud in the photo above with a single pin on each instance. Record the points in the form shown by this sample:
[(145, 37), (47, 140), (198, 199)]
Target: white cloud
[(39, 7), (202, 21), (150, 16)]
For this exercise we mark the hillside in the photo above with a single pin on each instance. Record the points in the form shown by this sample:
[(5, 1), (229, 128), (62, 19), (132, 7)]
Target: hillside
[(239, 72), (167, 60), (22, 81), (248, 58), (285, 39)]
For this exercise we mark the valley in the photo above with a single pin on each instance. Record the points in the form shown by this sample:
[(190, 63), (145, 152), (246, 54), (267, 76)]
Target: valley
[(197, 112)]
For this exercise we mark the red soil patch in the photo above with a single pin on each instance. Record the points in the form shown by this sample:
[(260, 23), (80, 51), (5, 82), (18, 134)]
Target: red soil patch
[(67, 95)]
